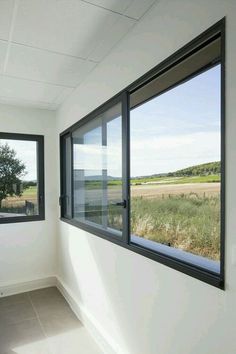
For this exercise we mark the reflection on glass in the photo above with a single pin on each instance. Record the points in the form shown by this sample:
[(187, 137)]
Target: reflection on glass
[(97, 154), (18, 178), (176, 169)]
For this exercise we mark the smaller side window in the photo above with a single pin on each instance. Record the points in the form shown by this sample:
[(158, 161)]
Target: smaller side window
[(21, 177)]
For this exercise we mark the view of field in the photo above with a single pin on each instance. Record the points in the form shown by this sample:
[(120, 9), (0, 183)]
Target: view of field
[(18, 205), (18, 178), (181, 209), (186, 218)]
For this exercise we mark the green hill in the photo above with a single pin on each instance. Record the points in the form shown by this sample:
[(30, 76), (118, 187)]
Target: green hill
[(205, 169)]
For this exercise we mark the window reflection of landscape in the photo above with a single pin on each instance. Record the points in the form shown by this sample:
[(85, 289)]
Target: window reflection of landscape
[(97, 153)]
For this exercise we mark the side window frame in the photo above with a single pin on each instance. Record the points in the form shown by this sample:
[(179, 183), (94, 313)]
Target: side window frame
[(39, 139)]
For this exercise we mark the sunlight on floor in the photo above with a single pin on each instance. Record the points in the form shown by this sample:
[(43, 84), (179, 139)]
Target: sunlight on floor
[(41, 322)]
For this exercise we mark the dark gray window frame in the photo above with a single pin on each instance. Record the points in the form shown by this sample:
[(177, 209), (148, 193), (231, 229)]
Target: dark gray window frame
[(161, 254), (40, 177)]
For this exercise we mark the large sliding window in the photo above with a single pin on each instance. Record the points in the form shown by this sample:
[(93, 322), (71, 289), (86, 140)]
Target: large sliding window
[(176, 170), (146, 169), (21, 177)]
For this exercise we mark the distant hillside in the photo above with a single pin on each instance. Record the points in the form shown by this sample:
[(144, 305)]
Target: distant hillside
[(205, 169)]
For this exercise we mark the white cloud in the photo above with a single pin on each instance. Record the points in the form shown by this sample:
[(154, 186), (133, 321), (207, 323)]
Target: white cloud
[(169, 153)]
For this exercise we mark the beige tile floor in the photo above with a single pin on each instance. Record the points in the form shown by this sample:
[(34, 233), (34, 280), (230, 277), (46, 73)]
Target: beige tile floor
[(41, 322)]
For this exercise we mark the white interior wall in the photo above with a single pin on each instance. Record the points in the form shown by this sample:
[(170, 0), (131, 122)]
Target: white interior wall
[(142, 306), (27, 249)]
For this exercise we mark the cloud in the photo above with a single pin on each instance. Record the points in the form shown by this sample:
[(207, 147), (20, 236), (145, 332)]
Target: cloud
[(169, 153)]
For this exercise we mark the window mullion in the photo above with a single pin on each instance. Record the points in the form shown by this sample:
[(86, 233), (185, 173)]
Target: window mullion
[(72, 176), (104, 175), (126, 166)]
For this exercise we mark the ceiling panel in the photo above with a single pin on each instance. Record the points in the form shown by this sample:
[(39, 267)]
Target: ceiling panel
[(35, 64), (3, 50), (137, 8), (62, 96), (6, 10), (66, 26), (17, 89), (112, 37), (113, 5)]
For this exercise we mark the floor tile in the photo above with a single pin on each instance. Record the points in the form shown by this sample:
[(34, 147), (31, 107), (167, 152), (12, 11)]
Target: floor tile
[(55, 324), (50, 294), (23, 338), (74, 341), (13, 299), (49, 302), (15, 313), (52, 308), (42, 322)]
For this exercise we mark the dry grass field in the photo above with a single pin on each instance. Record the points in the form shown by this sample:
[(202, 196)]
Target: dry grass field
[(185, 216), (158, 191), (17, 204)]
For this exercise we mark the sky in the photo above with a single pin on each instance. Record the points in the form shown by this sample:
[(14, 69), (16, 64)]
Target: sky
[(179, 128), (26, 152)]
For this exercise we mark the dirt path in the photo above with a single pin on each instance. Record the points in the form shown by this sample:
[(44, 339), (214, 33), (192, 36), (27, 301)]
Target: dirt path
[(152, 191)]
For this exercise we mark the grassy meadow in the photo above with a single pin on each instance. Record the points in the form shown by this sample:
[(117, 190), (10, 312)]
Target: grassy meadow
[(180, 209), (188, 221)]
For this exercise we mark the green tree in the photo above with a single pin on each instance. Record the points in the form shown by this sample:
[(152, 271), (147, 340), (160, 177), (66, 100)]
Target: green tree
[(12, 170)]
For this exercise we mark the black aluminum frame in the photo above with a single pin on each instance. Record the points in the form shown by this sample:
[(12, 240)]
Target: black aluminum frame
[(201, 273), (40, 177)]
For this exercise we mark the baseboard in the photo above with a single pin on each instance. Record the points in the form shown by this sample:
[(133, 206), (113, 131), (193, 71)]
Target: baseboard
[(104, 341), (7, 289)]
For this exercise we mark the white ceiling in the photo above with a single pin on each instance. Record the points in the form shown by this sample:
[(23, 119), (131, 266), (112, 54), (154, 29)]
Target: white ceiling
[(48, 47)]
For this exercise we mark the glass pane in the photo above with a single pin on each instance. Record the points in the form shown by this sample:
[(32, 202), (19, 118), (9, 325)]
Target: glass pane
[(176, 167), (18, 178), (97, 153)]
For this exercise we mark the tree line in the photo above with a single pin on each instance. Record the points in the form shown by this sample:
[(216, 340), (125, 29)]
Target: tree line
[(205, 169)]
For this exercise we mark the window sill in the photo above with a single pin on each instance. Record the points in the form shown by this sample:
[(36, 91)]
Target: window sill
[(13, 220)]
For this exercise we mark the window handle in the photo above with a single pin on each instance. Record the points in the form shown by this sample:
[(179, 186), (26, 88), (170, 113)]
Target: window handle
[(40, 199), (61, 199), (123, 204)]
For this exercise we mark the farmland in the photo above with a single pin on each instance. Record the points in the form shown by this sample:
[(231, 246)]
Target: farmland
[(182, 212), (16, 205), (186, 218), (180, 209)]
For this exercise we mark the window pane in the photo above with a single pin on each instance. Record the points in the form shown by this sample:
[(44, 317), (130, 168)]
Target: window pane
[(97, 154), (176, 167), (18, 178)]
